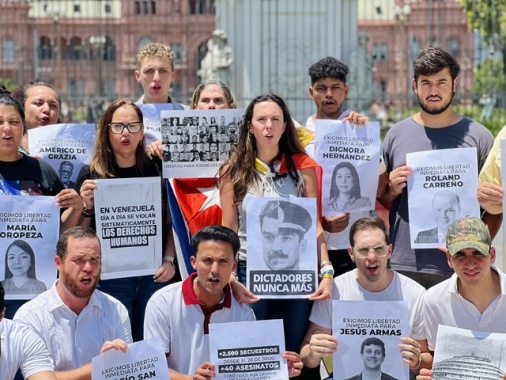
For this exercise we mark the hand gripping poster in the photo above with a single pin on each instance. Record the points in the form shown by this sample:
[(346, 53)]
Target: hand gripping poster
[(151, 116), (441, 189), (196, 143), (368, 335), (281, 245), (128, 215), (248, 350), (460, 353), (143, 360), (29, 230), (350, 157), (67, 147)]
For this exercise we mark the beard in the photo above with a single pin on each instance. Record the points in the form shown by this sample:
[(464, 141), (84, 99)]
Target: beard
[(72, 285), (436, 110)]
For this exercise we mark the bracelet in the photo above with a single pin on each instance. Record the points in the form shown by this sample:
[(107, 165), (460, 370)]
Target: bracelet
[(328, 268), (168, 258), (87, 212), (327, 275), (324, 263), (419, 363)]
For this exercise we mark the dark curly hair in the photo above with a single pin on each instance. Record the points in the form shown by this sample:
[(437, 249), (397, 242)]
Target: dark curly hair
[(432, 60), (328, 67)]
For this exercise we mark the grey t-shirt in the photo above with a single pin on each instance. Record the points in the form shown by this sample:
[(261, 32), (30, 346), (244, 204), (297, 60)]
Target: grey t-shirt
[(408, 136)]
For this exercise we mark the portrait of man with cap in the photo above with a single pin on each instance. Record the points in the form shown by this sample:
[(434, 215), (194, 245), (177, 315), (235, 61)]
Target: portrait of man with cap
[(474, 298), (283, 225)]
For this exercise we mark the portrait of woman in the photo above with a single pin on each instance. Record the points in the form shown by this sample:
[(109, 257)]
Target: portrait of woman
[(20, 270), (345, 189)]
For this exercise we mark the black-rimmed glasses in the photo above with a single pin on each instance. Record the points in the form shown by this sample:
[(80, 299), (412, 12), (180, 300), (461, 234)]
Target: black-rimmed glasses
[(133, 127)]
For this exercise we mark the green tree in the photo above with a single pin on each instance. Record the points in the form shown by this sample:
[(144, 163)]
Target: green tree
[(8, 83), (489, 76), (489, 18)]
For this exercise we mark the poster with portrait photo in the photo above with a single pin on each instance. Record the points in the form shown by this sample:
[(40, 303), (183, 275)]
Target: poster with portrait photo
[(29, 230), (205, 139), (465, 352), (66, 147), (152, 121), (248, 350), (128, 216), (284, 264), (368, 335), (350, 157), (441, 189)]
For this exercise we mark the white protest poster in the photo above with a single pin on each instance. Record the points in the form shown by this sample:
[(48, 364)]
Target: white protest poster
[(143, 360), (503, 179), (464, 352), (197, 142), (284, 264), (67, 147), (128, 215), (441, 189), (152, 120), (368, 335), (29, 230), (248, 350), (349, 156)]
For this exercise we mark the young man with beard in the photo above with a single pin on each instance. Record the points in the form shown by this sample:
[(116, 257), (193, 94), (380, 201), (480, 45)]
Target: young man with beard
[(370, 249), (436, 126), (76, 321)]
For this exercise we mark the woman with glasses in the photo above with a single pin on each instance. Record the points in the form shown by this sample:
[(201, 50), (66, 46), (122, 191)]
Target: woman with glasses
[(119, 152)]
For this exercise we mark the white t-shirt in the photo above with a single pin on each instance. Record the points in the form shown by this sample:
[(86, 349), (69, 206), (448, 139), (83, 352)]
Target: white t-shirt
[(21, 348), (174, 313), (346, 287), (443, 305), (73, 340)]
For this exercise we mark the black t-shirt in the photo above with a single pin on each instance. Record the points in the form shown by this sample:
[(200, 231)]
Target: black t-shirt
[(153, 169), (31, 176)]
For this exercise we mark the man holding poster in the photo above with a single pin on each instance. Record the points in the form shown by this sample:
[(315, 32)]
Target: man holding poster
[(76, 321), (180, 313), (370, 249), (474, 298), (437, 126), (329, 91)]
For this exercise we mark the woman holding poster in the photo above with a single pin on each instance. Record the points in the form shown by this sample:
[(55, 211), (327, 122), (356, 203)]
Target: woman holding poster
[(345, 189), (20, 270), (119, 152), (21, 174), (270, 161)]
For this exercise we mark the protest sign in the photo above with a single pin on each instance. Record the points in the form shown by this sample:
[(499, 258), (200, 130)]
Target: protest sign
[(252, 350), (29, 230), (197, 142), (285, 264), (349, 156), (464, 352), (66, 147), (143, 360), (441, 189), (151, 115), (128, 215), (368, 335)]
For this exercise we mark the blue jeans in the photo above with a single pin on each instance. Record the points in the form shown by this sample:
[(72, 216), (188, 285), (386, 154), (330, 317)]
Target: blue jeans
[(134, 293), (293, 312)]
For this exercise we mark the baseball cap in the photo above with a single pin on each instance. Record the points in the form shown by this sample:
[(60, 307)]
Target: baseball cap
[(468, 232)]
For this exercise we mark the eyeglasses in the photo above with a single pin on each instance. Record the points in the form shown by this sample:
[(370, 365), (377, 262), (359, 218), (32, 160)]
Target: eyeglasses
[(379, 251), (133, 127)]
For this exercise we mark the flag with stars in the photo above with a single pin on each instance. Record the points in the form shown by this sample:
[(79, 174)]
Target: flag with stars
[(194, 203)]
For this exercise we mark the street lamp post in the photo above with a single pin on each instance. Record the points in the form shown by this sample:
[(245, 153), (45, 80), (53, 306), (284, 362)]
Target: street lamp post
[(57, 13), (402, 12), (98, 43)]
